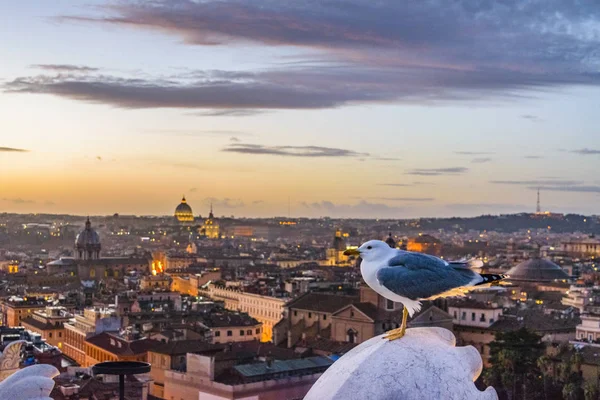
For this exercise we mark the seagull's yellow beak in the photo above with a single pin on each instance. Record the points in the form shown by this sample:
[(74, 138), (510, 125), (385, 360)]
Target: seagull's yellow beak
[(352, 252)]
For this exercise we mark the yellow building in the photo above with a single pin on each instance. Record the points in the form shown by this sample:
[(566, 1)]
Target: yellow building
[(81, 327), (110, 347), (210, 227), (425, 244), (49, 323), (16, 309), (265, 309), (335, 254), (183, 212)]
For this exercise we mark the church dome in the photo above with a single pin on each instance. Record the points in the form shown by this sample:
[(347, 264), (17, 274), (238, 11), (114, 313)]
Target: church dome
[(87, 242), (183, 212), (538, 270)]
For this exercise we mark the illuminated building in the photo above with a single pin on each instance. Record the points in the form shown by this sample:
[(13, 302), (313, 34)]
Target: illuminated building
[(265, 309), (335, 254), (425, 244), (15, 309), (183, 212), (93, 320), (49, 323), (210, 227)]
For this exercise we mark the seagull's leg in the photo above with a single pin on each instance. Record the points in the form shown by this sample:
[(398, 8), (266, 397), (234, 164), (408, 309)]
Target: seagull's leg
[(398, 333)]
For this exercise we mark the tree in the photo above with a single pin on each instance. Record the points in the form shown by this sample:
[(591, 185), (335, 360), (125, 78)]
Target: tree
[(515, 372), (590, 391)]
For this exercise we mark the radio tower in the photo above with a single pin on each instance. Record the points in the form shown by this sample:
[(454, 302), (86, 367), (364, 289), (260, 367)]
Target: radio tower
[(538, 208)]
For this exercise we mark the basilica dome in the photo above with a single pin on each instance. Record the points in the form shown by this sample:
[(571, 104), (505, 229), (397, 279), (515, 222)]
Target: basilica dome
[(87, 243), (537, 270), (183, 212)]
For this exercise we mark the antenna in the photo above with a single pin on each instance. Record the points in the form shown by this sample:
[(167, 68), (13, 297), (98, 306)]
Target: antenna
[(538, 209)]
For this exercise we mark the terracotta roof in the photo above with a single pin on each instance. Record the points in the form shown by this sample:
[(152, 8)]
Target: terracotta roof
[(39, 324), (321, 302), (536, 321), (465, 302), (180, 347), (119, 346)]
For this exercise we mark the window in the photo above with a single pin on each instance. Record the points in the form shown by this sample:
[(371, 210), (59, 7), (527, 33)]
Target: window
[(309, 315), (464, 316), (295, 313), (229, 333), (482, 319), (389, 305), (59, 334), (324, 317), (472, 316), (218, 333), (50, 335), (249, 332), (257, 331), (242, 332), (455, 315)]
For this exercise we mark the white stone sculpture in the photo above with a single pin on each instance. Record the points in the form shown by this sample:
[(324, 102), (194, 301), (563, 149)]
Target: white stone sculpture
[(424, 364), (30, 383), (10, 359)]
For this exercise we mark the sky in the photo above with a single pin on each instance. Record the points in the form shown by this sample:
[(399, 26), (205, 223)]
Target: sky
[(353, 108)]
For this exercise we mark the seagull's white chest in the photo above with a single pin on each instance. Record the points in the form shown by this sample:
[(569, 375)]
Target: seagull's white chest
[(369, 270)]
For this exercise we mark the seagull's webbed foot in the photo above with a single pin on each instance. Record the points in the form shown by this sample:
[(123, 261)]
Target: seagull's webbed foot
[(395, 334)]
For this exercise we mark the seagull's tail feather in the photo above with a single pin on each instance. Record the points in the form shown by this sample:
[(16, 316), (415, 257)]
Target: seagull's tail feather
[(490, 278)]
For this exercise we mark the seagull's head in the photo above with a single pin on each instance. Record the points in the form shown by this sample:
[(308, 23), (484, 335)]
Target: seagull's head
[(372, 250)]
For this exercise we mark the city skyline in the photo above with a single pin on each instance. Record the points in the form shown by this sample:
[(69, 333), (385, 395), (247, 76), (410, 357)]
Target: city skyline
[(271, 108)]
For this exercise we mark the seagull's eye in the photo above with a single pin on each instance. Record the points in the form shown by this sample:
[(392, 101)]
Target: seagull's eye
[(369, 247)]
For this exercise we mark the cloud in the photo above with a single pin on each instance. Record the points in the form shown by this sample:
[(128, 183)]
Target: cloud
[(534, 157), (386, 159), (192, 132), (291, 151), (437, 171), (363, 52), (570, 188), (229, 113), (481, 160), (234, 139), (255, 202), (226, 202), (64, 68), (586, 151), (193, 190), (530, 117), (538, 182), (404, 198), (12, 150), (18, 200), (395, 184), (473, 153), (49, 203)]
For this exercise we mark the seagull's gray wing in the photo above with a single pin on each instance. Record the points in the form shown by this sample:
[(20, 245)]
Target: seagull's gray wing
[(421, 276)]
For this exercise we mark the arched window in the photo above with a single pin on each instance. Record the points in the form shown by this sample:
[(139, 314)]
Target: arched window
[(351, 335)]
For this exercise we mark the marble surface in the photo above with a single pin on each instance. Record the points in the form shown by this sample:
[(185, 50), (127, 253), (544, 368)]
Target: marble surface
[(30, 383), (424, 364)]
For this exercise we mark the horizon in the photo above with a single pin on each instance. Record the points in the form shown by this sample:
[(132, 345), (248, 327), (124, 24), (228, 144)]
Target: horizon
[(367, 111)]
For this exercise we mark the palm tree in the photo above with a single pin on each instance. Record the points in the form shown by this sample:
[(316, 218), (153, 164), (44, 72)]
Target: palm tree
[(569, 392), (590, 391)]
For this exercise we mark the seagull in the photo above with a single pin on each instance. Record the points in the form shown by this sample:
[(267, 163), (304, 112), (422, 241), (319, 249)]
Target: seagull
[(408, 277)]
